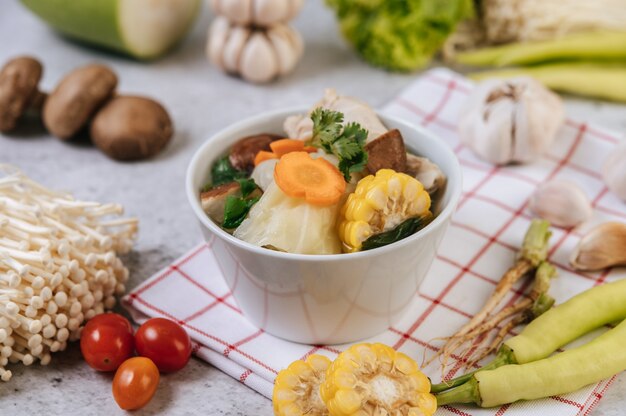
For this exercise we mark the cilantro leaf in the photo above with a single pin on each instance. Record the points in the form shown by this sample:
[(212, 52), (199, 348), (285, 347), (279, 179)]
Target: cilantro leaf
[(346, 142)]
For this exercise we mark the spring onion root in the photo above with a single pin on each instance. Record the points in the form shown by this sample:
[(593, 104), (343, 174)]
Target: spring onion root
[(533, 253), (559, 374), (557, 327)]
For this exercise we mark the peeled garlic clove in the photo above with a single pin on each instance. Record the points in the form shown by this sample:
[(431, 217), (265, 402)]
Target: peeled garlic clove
[(514, 120), (562, 203), (234, 47), (258, 60), (615, 171), (218, 35), (602, 247)]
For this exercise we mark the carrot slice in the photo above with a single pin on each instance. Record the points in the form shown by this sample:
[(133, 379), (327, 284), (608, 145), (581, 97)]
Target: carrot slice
[(317, 181), (311, 149), (262, 156), (284, 146)]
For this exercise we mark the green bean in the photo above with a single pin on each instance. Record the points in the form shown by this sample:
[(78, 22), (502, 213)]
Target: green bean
[(561, 373), (557, 327)]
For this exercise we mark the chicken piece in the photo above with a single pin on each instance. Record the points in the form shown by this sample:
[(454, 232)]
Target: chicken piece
[(425, 171), (301, 126)]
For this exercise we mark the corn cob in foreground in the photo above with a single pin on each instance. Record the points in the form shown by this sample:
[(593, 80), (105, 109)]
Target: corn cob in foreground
[(297, 388)]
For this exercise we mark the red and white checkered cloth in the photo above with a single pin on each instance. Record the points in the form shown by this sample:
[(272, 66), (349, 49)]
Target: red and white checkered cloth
[(480, 245)]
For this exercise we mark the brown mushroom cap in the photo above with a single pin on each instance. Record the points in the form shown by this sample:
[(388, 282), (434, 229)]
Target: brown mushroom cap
[(77, 97), (243, 152), (131, 128), (18, 85)]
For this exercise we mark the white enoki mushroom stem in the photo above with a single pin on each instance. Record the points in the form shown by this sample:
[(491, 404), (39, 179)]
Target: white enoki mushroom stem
[(58, 266)]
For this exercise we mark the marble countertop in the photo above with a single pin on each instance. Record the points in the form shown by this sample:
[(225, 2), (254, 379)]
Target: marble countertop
[(201, 100)]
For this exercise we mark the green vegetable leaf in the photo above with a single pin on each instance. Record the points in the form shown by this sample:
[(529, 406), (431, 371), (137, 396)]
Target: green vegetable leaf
[(247, 186), (399, 34), (346, 142), (223, 172), (236, 209), (403, 230)]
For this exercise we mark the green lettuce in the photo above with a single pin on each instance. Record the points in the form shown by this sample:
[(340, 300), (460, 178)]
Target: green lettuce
[(399, 34)]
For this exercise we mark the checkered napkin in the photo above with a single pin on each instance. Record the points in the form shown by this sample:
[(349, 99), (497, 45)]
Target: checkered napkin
[(480, 245)]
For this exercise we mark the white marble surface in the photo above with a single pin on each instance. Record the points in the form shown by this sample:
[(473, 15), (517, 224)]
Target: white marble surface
[(201, 101)]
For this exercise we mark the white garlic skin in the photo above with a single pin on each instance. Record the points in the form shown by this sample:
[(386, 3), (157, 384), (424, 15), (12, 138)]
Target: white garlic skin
[(257, 12), (257, 55), (602, 247), (510, 121), (562, 203), (614, 172)]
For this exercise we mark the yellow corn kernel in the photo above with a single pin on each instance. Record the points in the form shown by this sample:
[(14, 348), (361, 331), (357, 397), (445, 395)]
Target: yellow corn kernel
[(297, 388), (374, 379), (380, 203)]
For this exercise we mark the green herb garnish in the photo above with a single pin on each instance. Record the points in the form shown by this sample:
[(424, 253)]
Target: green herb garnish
[(223, 172), (346, 142), (237, 207), (403, 230)]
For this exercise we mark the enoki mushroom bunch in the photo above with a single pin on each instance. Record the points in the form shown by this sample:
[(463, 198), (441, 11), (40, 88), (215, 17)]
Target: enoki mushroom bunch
[(58, 266)]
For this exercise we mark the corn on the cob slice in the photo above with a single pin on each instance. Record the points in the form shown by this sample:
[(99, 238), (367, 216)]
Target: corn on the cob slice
[(297, 388), (374, 379), (380, 203)]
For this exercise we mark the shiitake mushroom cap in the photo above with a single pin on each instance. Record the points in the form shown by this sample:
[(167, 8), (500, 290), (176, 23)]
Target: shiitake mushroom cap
[(19, 80), (131, 128), (77, 97)]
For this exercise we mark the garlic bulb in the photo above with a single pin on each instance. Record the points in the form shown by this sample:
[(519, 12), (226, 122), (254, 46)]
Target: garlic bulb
[(257, 12), (602, 247), (615, 171), (257, 55), (512, 120), (562, 203)]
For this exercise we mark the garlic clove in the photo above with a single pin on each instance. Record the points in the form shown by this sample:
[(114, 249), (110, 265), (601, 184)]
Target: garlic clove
[(602, 247), (233, 49), (258, 61), (237, 11), (215, 5), (508, 121), (268, 12), (562, 203), (614, 171), (296, 40), (285, 52), (295, 7), (218, 35)]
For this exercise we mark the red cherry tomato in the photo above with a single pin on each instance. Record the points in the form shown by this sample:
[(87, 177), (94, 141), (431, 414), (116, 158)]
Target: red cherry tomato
[(164, 342), (107, 341), (135, 382)]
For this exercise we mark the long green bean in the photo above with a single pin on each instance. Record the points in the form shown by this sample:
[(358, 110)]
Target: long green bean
[(561, 373)]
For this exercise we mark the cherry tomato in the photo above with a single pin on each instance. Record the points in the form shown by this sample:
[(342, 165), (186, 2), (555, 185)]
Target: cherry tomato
[(106, 341), (135, 382), (164, 342)]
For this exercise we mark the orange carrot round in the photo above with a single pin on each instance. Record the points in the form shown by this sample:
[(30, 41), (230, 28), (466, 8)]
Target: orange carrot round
[(262, 156), (317, 181), (284, 146)]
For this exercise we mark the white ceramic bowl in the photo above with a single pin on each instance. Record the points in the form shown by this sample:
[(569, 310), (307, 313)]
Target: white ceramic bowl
[(324, 299)]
